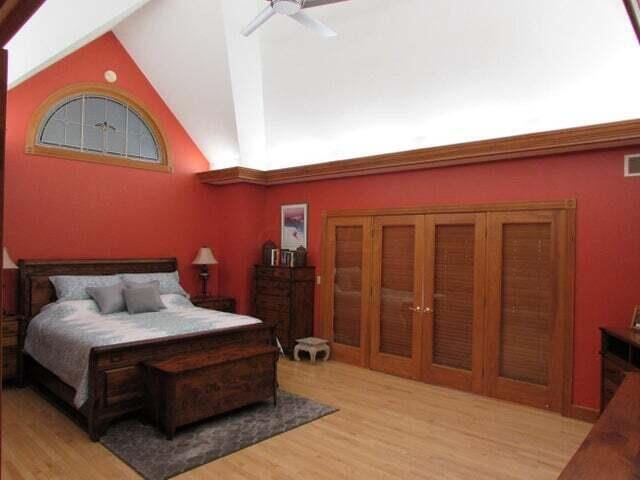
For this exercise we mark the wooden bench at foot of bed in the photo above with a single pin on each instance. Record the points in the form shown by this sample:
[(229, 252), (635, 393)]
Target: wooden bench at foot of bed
[(192, 387)]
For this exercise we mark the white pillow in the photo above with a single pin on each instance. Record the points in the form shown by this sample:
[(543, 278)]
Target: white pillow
[(74, 287), (169, 282)]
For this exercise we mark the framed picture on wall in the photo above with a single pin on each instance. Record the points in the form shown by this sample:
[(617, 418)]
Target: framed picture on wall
[(633, 7), (294, 226), (635, 320)]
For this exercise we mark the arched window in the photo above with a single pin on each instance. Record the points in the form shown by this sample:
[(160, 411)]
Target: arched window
[(97, 123)]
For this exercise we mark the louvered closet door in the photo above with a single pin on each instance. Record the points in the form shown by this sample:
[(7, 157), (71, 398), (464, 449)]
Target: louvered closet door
[(398, 263), (349, 257), (453, 307), (527, 261)]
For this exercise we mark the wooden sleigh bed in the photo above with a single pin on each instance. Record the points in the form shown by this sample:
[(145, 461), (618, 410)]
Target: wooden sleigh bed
[(116, 381)]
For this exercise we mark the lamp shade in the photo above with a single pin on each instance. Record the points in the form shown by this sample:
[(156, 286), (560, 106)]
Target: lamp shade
[(7, 263), (205, 257)]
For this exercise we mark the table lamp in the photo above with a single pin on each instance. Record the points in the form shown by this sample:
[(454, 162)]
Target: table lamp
[(204, 258)]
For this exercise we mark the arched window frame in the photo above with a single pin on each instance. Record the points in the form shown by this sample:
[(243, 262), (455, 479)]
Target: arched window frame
[(108, 91)]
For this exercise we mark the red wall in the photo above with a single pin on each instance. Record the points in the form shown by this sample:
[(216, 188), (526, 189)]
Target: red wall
[(69, 209), (608, 234), (57, 208), (239, 233)]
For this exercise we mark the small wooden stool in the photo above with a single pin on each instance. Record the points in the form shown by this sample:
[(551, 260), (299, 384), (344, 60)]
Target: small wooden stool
[(312, 346)]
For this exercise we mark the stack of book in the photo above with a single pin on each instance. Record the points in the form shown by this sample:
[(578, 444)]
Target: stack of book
[(282, 258)]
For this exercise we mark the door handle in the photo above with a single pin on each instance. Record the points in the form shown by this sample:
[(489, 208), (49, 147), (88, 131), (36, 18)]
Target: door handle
[(415, 309), (427, 310)]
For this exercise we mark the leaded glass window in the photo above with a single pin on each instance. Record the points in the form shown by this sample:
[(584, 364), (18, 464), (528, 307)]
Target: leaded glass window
[(97, 124)]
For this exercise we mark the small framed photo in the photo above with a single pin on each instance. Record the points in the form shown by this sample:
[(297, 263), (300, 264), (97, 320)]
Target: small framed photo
[(635, 320), (294, 226)]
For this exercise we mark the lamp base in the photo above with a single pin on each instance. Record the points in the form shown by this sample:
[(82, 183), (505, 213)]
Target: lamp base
[(204, 274)]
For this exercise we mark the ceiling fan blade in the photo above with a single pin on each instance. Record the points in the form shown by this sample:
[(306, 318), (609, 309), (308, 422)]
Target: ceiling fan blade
[(262, 17), (313, 24), (319, 3)]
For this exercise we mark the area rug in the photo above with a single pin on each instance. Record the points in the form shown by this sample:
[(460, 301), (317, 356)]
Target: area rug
[(146, 449)]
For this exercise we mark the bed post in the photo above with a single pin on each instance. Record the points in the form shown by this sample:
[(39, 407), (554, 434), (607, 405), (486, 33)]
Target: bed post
[(93, 424)]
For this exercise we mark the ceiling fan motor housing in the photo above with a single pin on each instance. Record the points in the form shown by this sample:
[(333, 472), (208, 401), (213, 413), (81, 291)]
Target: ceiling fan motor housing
[(287, 7), (292, 9)]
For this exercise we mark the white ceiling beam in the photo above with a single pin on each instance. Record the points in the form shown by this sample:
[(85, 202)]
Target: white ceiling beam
[(245, 68), (59, 28)]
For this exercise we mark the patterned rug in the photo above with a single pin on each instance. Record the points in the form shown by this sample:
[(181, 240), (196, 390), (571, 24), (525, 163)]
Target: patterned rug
[(146, 449)]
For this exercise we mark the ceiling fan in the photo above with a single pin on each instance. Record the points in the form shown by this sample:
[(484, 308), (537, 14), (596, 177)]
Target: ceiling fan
[(292, 9)]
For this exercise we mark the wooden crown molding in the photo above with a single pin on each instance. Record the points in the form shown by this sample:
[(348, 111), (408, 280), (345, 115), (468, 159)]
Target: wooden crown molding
[(231, 175), (594, 137)]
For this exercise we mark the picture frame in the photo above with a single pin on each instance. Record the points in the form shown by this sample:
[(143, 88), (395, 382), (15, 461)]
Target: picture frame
[(633, 9), (635, 319), (294, 225)]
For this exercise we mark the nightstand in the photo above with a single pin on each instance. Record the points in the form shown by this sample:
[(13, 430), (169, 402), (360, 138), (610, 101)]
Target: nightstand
[(222, 304), (12, 341)]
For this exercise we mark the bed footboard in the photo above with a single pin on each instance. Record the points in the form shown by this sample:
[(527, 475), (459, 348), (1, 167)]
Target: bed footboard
[(116, 379), (117, 383)]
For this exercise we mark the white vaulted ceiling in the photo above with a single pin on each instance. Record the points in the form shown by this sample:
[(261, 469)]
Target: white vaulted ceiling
[(402, 74), (180, 46), (59, 28)]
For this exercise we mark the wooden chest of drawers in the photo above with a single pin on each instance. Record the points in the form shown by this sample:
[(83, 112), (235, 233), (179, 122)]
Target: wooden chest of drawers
[(192, 387), (12, 335), (620, 354), (284, 296)]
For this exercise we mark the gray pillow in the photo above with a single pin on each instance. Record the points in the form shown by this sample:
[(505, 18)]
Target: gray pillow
[(74, 287), (109, 299), (169, 282), (143, 299), (134, 284)]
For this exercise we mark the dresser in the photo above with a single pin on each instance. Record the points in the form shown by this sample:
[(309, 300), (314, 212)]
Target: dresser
[(284, 296), (620, 350)]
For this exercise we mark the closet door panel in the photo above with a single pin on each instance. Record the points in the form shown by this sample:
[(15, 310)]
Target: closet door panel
[(397, 292), (527, 258), (453, 306), (346, 301), (527, 302)]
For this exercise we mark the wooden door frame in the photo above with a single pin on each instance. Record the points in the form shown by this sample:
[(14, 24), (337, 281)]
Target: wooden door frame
[(455, 208), (568, 205), (13, 15)]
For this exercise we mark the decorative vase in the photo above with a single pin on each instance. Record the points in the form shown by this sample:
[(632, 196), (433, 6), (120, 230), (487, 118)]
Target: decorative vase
[(300, 257)]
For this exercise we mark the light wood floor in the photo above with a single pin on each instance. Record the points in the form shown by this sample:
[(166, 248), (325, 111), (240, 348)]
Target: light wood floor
[(387, 428)]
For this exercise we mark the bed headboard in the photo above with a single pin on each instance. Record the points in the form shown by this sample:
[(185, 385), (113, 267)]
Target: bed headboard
[(36, 291)]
